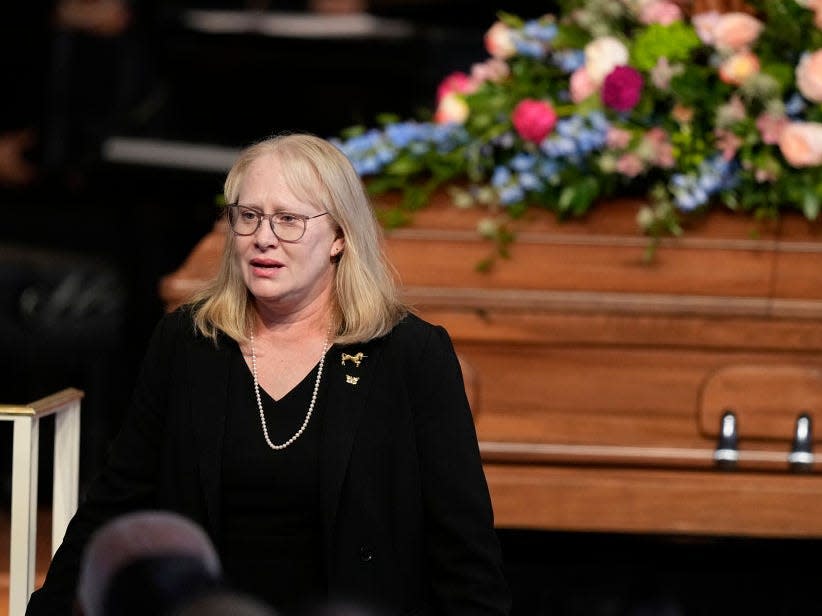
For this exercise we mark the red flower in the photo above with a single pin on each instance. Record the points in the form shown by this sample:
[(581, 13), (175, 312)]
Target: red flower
[(622, 88), (533, 119)]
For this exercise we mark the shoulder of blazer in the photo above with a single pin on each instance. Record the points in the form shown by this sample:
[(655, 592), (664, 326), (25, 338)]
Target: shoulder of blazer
[(414, 337), (179, 324), (175, 336)]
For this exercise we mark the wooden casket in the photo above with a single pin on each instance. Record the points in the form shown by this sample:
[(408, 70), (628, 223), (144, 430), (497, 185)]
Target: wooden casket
[(611, 394)]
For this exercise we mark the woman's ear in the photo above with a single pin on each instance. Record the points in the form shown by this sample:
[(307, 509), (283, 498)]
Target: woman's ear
[(337, 249)]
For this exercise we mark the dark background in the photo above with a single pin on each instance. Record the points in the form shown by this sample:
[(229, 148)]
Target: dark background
[(84, 245)]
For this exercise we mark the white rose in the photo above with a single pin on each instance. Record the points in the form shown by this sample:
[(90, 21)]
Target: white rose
[(499, 41), (452, 108), (602, 55)]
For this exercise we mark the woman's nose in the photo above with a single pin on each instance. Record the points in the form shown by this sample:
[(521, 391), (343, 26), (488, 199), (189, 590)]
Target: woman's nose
[(265, 236)]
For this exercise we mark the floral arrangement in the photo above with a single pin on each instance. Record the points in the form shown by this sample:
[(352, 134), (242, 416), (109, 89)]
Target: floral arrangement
[(618, 97)]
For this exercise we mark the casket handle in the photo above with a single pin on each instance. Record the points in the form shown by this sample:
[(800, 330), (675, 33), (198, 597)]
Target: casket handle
[(801, 456), (727, 452)]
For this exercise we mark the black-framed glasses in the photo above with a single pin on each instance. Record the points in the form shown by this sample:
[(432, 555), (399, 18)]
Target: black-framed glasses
[(287, 226)]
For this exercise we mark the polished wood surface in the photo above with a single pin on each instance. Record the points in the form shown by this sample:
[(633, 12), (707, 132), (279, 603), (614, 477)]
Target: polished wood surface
[(598, 380), (723, 6), (43, 553)]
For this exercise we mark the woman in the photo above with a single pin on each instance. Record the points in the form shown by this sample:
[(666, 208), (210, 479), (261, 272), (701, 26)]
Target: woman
[(297, 410)]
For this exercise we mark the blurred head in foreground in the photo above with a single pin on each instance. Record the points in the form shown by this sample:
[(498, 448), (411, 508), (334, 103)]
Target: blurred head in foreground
[(145, 562)]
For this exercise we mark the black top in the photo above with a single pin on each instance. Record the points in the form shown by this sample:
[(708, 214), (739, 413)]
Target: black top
[(271, 532), (404, 506)]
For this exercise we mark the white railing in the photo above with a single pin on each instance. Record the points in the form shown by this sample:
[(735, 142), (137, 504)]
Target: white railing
[(65, 405)]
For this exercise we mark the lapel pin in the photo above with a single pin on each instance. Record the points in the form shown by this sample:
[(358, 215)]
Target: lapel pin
[(357, 358), (351, 380)]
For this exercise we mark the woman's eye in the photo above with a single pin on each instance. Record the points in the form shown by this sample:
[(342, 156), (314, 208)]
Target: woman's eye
[(247, 215), (288, 219)]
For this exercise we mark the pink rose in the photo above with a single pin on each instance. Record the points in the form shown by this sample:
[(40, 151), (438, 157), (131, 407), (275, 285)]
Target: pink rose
[(809, 76), (801, 144), (659, 150), (493, 69), (737, 68), (499, 42), (816, 7), (617, 138), (456, 82), (770, 127), (581, 84), (630, 165), (622, 88), (533, 119), (660, 12), (452, 109), (727, 143), (705, 24), (736, 31)]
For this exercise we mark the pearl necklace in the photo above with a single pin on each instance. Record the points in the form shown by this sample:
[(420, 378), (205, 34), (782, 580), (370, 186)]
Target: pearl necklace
[(299, 432)]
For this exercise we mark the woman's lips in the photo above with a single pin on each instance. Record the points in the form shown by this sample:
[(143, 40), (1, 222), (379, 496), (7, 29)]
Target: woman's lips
[(264, 267)]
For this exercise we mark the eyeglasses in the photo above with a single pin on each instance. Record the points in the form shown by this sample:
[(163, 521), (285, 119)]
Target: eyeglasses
[(288, 227)]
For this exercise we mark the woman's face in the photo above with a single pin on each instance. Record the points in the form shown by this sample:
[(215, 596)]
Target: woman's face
[(286, 277)]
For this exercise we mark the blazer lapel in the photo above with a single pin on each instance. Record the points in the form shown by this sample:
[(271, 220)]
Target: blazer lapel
[(347, 392), (208, 378)]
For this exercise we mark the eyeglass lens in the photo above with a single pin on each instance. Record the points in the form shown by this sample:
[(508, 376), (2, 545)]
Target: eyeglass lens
[(286, 226)]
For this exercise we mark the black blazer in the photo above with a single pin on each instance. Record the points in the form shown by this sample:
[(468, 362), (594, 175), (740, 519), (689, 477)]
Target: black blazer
[(407, 519)]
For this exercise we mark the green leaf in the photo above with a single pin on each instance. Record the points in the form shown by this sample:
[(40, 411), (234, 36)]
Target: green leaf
[(810, 205)]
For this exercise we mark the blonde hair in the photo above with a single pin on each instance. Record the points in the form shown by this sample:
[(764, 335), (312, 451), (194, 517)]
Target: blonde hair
[(367, 302)]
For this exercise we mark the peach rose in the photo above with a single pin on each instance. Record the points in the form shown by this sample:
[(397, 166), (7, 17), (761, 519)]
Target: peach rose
[(809, 76), (602, 55), (682, 114), (452, 108), (736, 69), (581, 84), (816, 7), (499, 41), (801, 144), (736, 31)]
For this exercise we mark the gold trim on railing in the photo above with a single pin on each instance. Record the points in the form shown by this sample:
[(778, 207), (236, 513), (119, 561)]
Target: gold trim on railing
[(44, 406)]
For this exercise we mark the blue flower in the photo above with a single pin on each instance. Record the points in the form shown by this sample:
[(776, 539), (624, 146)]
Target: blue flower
[(501, 177), (523, 162), (540, 31), (568, 60), (511, 194)]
